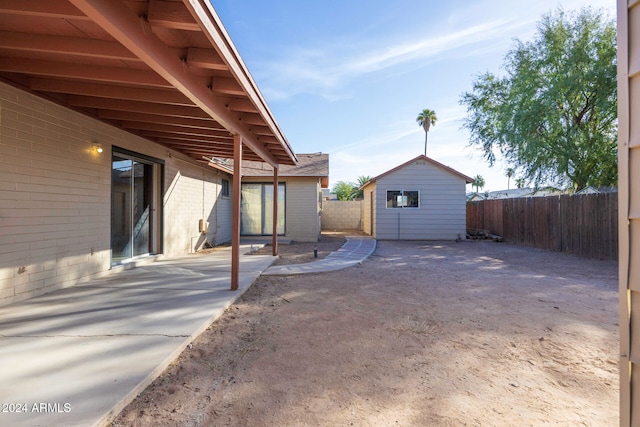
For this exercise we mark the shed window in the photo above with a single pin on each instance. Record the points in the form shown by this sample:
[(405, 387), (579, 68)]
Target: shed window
[(403, 199), (225, 188)]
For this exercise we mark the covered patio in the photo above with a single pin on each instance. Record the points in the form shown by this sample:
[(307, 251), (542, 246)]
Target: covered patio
[(163, 70)]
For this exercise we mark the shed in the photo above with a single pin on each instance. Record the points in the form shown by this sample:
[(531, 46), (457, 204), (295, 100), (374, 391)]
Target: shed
[(417, 200)]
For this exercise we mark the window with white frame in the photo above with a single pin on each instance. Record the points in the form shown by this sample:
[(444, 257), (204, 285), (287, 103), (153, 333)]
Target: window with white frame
[(403, 199)]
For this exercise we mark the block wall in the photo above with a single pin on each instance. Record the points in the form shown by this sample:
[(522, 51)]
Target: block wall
[(342, 215)]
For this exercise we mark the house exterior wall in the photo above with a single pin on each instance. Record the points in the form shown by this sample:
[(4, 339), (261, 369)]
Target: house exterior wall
[(441, 214), (193, 193), (342, 215), (368, 209), (55, 196), (303, 209), (302, 206)]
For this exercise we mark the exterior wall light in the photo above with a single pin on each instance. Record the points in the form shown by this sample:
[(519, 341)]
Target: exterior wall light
[(97, 148)]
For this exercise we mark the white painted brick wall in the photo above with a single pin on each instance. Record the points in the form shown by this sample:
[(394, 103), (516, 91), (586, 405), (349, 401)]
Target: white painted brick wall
[(55, 196)]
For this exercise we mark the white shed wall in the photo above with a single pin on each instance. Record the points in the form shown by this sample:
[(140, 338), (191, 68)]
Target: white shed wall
[(442, 211)]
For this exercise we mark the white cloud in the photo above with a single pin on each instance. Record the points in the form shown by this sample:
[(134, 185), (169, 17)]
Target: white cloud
[(326, 70)]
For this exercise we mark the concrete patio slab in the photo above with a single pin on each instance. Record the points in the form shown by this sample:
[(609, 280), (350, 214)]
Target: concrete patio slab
[(77, 356)]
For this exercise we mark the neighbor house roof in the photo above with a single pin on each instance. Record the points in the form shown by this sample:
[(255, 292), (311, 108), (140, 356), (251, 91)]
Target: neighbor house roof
[(420, 157), (165, 70), (309, 165)]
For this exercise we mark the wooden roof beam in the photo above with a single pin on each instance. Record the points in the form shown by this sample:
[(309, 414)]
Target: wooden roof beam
[(179, 111), (207, 139), (49, 8), (126, 27), (84, 72), (241, 105), (199, 123), (204, 12), (169, 14), (109, 91), (220, 147), (205, 58), (170, 128), (252, 119), (64, 45), (202, 153), (227, 86)]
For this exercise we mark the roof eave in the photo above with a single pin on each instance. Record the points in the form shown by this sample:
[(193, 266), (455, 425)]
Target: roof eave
[(208, 19)]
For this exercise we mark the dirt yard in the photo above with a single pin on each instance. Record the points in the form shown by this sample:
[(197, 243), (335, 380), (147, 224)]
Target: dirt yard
[(475, 333)]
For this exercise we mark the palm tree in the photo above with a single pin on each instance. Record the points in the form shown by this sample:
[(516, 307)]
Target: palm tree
[(478, 182), (426, 118), (520, 183), (362, 179), (510, 172)]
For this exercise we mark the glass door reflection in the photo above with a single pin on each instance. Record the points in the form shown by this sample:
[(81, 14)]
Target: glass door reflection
[(130, 208)]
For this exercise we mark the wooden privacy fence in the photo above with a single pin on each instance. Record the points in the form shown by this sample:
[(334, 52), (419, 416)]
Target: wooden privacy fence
[(584, 224)]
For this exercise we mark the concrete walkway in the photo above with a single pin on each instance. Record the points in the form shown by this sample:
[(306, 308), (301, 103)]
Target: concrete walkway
[(78, 356), (353, 252)]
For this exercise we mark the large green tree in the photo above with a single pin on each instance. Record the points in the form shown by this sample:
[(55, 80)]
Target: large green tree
[(553, 114), (345, 190)]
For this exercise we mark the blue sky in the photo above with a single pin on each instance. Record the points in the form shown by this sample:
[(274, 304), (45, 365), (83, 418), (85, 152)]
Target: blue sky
[(349, 77)]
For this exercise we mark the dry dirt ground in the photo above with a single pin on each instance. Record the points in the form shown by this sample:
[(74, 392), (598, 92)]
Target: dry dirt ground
[(475, 333)]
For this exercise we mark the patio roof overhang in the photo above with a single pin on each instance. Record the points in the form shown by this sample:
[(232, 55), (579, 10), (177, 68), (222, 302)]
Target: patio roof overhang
[(165, 70)]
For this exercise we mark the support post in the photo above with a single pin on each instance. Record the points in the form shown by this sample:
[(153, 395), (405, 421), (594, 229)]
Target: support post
[(235, 212), (274, 241)]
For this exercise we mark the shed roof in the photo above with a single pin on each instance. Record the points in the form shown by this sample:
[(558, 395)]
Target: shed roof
[(420, 157), (165, 70)]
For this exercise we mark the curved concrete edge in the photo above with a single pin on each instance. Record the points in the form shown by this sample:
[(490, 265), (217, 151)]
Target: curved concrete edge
[(353, 252)]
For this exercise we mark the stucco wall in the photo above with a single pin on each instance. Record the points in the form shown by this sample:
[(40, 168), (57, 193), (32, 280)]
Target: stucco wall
[(342, 215), (302, 222), (55, 196), (302, 207), (368, 209)]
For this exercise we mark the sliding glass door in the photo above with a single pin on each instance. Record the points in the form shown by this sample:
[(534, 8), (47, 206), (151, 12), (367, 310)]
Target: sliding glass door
[(257, 209), (132, 211)]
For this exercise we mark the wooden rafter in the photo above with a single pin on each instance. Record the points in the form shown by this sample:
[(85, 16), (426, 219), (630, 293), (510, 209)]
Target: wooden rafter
[(198, 123), (124, 26), (205, 58), (162, 69), (170, 14), (73, 46), (84, 72), (176, 111), (109, 91)]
